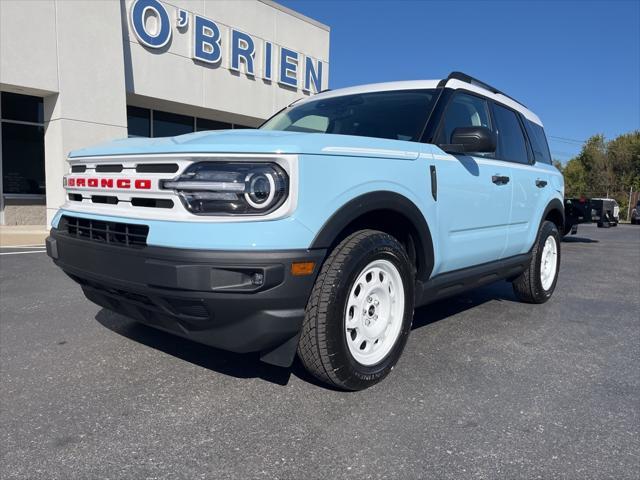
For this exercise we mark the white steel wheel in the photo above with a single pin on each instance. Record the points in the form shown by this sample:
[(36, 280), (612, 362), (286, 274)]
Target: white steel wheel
[(548, 262), (374, 312)]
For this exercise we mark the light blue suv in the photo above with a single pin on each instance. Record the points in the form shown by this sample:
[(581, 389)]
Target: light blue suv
[(320, 232)]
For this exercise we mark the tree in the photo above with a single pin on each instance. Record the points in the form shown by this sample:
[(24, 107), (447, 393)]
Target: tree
[(605, 168)]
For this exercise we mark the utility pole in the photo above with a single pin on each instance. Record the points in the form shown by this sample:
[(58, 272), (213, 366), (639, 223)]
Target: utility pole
[(629, 206)]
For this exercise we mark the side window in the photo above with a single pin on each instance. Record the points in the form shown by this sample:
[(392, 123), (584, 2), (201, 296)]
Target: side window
[(538, 142), (464, 111), (511, 142)]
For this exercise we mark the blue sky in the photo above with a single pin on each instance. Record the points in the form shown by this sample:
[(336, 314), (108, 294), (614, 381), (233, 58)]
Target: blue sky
[(576, 64)]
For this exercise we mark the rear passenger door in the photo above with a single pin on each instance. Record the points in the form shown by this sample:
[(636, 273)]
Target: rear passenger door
[(473, 202), (527, 181)]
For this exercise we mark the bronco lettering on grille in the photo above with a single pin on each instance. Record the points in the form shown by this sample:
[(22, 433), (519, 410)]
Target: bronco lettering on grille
[(118, 183)]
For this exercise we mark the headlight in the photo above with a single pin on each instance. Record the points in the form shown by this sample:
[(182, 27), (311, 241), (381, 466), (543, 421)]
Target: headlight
[(217, 188)]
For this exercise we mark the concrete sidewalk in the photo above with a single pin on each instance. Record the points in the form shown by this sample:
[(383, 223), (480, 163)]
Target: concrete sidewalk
[(21, 235)]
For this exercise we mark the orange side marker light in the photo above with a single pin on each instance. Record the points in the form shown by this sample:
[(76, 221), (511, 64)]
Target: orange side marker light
[(300, 269)]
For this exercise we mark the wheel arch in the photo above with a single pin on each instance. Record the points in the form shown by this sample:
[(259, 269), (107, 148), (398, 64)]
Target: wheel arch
[(387, 211), (554, 212)]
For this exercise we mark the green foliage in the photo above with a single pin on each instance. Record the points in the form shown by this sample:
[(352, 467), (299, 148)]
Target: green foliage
[(605, 168)]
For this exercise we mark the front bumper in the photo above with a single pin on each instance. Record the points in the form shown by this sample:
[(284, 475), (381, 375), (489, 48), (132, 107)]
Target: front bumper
[(212, 297)]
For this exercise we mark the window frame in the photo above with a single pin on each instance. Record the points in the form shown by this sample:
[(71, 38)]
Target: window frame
[(527, 144), (436, 121), (546, 141), (440, 126)]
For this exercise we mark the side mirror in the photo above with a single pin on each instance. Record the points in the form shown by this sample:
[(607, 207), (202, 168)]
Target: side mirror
[(471, 140)]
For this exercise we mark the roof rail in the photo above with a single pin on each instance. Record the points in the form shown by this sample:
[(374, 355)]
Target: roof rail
[(463, 77)]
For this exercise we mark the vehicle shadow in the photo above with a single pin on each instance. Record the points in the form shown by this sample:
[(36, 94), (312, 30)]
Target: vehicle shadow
[(568, 239), (246, 366), (228, 363), (434, 312)]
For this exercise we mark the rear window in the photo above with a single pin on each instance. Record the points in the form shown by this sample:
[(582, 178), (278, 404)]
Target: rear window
[(538, 142), (397, 114)]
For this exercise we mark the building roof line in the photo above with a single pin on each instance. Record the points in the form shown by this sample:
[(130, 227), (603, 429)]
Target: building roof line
[(298, 15)]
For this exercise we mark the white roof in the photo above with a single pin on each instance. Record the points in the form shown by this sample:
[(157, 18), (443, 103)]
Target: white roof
[(424, 84)]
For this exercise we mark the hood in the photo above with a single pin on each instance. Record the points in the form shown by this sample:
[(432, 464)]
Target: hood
[(256, 141)]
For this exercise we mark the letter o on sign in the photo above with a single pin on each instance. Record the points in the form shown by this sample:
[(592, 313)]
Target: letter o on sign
[(141, 10)]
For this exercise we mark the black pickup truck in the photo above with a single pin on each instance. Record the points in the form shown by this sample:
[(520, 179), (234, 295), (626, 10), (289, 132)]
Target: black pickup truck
[(604, 211)]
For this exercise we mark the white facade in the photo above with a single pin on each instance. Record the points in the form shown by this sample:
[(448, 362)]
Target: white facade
[(88, 64)]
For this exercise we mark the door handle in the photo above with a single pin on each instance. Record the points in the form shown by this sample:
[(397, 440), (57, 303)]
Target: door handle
[(541, 183), (500, 179)]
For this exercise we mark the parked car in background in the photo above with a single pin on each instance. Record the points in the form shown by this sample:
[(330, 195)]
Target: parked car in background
[(320, 232), (605, 212), (635, 214)]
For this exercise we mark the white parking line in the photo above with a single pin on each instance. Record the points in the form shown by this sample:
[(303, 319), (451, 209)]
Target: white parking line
[(21, 253), (22, 246)]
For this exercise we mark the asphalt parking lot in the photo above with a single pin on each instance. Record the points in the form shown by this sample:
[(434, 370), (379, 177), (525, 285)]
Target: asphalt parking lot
[(487, 388)]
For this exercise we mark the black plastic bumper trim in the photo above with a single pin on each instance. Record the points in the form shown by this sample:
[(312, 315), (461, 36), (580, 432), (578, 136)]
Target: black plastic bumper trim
[(243, 301)]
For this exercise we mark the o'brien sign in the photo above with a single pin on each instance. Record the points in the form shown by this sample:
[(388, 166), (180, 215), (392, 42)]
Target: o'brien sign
[(209, 46)]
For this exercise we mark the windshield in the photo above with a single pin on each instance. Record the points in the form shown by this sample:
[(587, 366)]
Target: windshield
[(398, 114)]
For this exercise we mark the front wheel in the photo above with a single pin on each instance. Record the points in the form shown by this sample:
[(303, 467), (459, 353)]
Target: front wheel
[(537, 283), (360, 311)]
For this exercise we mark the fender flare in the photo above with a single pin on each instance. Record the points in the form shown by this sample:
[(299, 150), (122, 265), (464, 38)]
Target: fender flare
[(554, 204), (379, 200)]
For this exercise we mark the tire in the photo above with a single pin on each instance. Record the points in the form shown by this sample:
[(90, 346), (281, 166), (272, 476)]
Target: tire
[(537, 283), (344, 357)]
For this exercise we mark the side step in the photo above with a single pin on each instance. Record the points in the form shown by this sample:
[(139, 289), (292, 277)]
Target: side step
[(452, 283)]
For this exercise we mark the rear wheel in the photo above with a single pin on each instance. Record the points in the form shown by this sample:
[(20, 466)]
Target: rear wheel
[(359, 314), (537, 283)]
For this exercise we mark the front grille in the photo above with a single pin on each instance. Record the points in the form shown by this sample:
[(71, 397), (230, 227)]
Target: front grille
[(109, 168), (157, 168), (115, 233), (152, 202)]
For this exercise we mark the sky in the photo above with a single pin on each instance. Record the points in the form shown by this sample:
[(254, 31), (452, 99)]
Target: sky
[(575, 64)]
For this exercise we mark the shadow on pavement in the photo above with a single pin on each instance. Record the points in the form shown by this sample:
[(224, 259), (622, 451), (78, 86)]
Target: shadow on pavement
[(569, 239), (249, 365), (228, 363), (500, 291)]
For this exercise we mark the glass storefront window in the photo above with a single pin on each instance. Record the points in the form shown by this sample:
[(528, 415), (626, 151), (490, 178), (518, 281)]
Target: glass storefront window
[(205, 124), (167, 124), (22, 133), (144, 122), (22, 159), (23, 108), (138, 122)]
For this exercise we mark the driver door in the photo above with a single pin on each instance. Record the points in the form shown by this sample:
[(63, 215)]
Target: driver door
[(474, 192)]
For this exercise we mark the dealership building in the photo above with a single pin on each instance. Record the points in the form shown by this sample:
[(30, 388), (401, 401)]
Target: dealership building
[(79, 72)]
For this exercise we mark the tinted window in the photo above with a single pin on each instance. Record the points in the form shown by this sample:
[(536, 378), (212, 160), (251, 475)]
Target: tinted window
[(464, 111), (399, 115), (167, 124), (511, 143), (138, 122), (22, 158), (24, 108), (539, 142)]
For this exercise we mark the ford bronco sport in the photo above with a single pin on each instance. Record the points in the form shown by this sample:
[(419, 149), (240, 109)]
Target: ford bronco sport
[(321, 231)]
